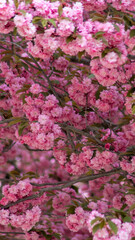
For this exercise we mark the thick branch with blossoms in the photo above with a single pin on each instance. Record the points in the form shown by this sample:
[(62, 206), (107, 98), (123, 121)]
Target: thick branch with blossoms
[(67, 119)]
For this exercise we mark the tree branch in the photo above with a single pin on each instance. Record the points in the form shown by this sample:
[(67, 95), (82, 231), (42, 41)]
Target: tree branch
[(68, 184), (12, 232), (39, 68), (83, 133)]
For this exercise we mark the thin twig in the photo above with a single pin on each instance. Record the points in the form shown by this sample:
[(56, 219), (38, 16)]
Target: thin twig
[(81, 132), (68, 184), (39, 68), (12, 232)]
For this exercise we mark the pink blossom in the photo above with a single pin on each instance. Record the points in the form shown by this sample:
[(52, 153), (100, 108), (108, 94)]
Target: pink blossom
[(35, 88)]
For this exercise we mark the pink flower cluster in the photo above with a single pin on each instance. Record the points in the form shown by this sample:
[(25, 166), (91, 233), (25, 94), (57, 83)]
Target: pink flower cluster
[(89, 5), (122, 5), (104, 160), (46, 8), (44, 131), (7, 9), (110, 100), (61, 64), (125, 230), (76, 221), (109, 76), (78, 162), (60, 201), (24, 26), (14, 192), (82, 91), (25, 221), (44, 45), (128, 166)]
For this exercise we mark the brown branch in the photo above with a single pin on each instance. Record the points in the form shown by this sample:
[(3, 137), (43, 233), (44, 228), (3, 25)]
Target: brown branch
[(85, 61), (81, 132), (68, 184), (11, 120), (39, 68), (45, 184), (35, 150), (12, 232), (71, 141), (132, 57)]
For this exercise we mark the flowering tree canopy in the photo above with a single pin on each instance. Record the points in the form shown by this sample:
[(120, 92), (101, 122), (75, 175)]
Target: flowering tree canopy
[(67, 119)]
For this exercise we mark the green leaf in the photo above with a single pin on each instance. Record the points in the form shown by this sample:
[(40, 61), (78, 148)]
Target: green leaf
[(104, 53), (75, 188), (7, 57), (29, 175), (124, 206), (60, 10), (98, 226), (15, 31), (117, 51), (24, 88), (91, 76), (117, 19), (21, 127), (28, 1), (16, 3), (102, 224), (49, 203), (15, 173), (80, 54), (47, 236), (104, 41), (3, 238), (7, 51), (132, 57), (130, 92), (79, 36), (128, 22), (14, 121), (95, 220), (100, 18), (132, 78), (79, 145), (100, 89), (69, 39), (44, 22), (127, 219), (98, 34), (24, 65), (57, 235), (55, 82), (132, 33), (113, 226), (107, 50), (52, 21), (117, 210), (36, 19), (71, 210), (67, 99), (76, 105), (133, 108), (116, 27), (132, 207), (23, 12)]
